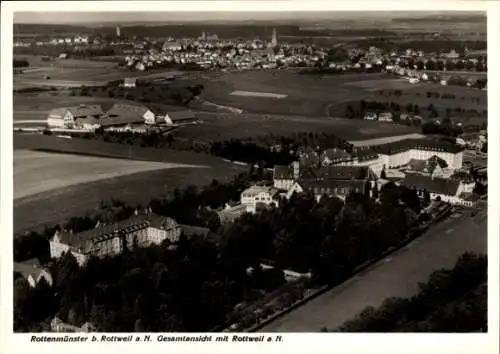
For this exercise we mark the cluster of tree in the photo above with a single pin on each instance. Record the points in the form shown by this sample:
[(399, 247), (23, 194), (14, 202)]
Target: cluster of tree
[(329, 238), (451, 301), (20, 63), (147, 93), (236, 150), (427, 46), (196, 207), (196, 285), (446, 128), (160, 289)]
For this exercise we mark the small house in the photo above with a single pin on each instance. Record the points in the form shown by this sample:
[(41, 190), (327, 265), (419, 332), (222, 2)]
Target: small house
[(129, 82)]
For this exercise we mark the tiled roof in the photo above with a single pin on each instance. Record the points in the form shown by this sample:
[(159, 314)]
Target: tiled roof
[(432, 185), (333, 186), (254, 190), (81, 111), (283, 172), (87, 120), (84, 240), (420, 144), (30, 267), (191, 231), (336, 173), (335, 154), (182, 115)]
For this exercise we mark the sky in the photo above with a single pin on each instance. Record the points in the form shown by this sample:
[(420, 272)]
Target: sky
[(103, 17)]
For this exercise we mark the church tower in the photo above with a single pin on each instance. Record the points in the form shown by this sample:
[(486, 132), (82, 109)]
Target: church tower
[(274, 40)]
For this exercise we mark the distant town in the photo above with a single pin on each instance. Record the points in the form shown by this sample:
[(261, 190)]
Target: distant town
[(197, 183)]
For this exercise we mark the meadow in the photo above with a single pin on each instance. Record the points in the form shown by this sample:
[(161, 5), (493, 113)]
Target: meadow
[(307, 95), (36, 172), (120, 177), (217, 127)]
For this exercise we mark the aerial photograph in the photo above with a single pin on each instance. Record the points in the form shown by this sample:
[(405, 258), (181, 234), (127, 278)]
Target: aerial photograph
[(250, 172)]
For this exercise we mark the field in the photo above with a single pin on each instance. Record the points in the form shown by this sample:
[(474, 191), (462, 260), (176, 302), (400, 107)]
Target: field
[(36, 172), (306, 95), (75, 73), (57, 205), (230, 126), (319, 95)]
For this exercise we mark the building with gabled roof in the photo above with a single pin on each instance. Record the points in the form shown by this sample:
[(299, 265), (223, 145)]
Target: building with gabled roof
[(231, 212), (257, 197), (450, 190), (434, 167), (123, 114), (65, 117), (33, 272), (180, 117), (112, 239)]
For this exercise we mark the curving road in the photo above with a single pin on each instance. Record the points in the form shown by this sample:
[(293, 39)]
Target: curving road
[(397, 275)]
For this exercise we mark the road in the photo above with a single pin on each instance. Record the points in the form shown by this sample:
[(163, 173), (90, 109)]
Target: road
[(397, 275)]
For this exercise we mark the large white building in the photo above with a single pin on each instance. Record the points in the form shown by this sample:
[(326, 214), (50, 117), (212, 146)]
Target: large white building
[(112, 239), (259, 196), (399, 153)]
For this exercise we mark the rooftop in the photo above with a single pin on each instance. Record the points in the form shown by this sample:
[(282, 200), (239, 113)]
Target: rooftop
[(84, 240), (432, 185)]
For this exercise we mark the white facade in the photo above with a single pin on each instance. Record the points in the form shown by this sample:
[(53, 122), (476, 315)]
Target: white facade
[(60, 121), (255, 195), (114, 245), (285, 184), (453, 160), (377, 165), (149, 117)]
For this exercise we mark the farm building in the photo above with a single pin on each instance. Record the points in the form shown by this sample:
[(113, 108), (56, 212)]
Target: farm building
[(124, 114), (180, 117), (129, 82), (33, 272), (105, 240), (66, 117)]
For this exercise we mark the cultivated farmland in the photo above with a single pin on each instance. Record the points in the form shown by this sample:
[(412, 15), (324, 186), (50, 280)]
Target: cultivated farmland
[(233, 126), (36, 172), (131, 185)]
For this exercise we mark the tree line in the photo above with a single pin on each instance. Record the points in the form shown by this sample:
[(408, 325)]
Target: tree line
[(450, 301), (197, 284)]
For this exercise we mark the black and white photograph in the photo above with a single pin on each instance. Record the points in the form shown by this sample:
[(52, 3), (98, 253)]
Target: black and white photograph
[(249, 172)]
